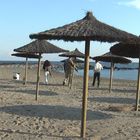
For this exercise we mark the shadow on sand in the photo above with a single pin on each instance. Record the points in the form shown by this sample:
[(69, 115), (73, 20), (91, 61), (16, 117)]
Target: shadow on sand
[(53, 112), (7, 86), (46, 136), (41, 92), (125, 90), (113, 100)]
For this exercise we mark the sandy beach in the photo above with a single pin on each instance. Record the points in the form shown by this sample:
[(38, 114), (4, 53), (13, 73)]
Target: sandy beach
[(57, 113)]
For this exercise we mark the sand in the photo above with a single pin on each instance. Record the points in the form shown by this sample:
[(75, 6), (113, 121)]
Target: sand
[(57, 113)]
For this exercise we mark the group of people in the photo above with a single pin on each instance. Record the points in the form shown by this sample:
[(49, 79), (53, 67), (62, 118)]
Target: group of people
[(69, 67)]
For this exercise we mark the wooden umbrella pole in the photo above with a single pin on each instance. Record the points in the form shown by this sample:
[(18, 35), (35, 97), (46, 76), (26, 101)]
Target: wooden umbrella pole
[(85, 89), (138, 88), (26, 67), (38, 76), (111, 76)]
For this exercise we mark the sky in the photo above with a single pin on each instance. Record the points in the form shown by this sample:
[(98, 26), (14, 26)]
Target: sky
[(19, 19)]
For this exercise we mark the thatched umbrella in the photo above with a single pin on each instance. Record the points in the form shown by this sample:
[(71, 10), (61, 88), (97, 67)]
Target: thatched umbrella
[(132, 50), (40, 47), (76, 60), (86, 29), (26, 55), (75, 53), (109, 57)]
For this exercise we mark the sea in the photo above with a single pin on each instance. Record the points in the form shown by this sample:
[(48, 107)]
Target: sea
[(121, 71), (117, 74)]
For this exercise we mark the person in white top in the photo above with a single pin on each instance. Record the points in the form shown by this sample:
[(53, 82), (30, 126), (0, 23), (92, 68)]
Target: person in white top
[(97, 68)]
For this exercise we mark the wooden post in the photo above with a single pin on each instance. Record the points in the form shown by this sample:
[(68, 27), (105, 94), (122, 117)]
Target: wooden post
[(85, 89), (26, 67), (111, 76), (38, 77), (138, 88)]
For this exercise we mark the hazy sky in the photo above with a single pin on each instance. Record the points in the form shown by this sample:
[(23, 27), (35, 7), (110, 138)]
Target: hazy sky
[(19, 18)]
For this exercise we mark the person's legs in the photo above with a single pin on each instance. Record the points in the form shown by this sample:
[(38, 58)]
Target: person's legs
[(66, 78), (70, 80), (46, 77), (65, 81), (94, 78), (98, 78)]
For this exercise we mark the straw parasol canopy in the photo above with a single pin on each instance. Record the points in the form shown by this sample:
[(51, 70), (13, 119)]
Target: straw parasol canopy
[(26, 55), (129, 49), (40, 47), (109, 57), (76, 60), (75, 53), (86, 29)]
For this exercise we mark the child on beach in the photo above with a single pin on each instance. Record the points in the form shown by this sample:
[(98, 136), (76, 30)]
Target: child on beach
[(16, 76)]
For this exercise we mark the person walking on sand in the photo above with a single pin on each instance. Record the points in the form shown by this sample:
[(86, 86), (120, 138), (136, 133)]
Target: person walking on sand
[(47, 70), (69, 67), (97, 68)]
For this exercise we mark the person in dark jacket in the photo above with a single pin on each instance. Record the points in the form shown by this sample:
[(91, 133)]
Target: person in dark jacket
[(47, 70)]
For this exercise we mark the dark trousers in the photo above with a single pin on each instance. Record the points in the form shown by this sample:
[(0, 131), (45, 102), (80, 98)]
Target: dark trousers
[(96, 76)]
